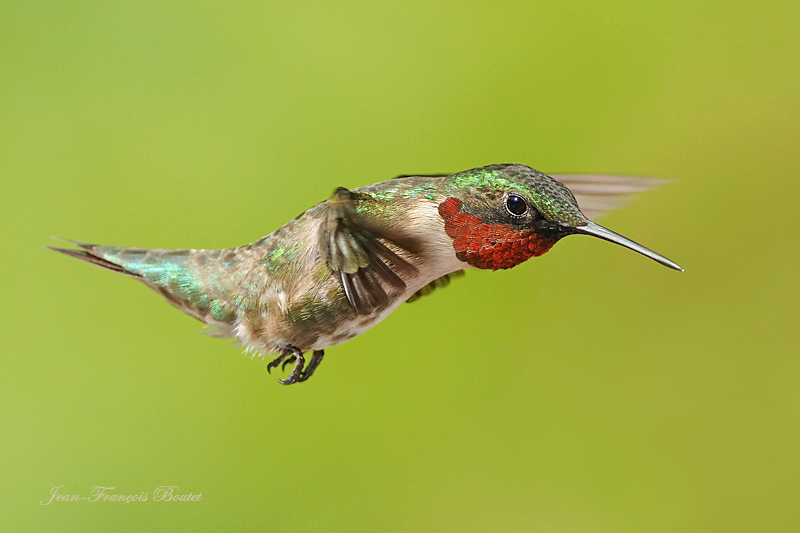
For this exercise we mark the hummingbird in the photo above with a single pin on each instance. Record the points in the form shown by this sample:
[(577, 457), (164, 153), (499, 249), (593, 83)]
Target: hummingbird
[(342, 266)]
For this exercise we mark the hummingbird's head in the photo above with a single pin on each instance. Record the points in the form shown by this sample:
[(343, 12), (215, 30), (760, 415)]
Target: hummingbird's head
[(502, 215)]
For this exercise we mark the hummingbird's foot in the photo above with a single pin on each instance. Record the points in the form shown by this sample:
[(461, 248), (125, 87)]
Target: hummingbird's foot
[(294, 355), (316, 359), (297, 370)]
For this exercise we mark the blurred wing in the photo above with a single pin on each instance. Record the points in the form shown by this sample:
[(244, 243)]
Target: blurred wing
[(444, 281), (421, 176), (366, 262), (597, 194)]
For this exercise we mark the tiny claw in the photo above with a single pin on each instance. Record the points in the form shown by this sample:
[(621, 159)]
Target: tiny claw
[(289, 360), (275, 362)]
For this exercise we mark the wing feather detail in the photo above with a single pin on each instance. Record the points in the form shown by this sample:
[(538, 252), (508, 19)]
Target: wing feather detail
[(368, 264)]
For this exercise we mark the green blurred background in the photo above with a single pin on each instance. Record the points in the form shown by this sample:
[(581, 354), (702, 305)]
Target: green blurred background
[(587, 390)]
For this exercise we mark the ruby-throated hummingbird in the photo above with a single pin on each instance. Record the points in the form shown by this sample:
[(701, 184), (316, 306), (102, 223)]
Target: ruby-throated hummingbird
[(342, 266)]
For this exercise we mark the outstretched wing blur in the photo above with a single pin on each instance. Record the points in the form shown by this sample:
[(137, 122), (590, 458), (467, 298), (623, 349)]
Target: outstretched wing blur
[(597, 194)]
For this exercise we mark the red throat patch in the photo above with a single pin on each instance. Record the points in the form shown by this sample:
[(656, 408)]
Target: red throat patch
[(492, 246)]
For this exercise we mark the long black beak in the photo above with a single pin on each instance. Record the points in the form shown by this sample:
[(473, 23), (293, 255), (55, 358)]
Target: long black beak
[(606, 234)]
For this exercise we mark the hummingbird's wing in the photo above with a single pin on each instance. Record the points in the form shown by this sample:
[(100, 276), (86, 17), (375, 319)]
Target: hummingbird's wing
[(421, 176), (598, 194), (444, 281), (366, 261)]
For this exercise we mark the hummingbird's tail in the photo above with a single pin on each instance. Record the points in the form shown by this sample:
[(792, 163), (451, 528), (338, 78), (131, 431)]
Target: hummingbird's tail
[(88, 254), (189, 279)]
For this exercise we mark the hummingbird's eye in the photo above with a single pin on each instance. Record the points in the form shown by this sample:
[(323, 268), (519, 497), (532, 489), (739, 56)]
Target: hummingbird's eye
[(516, 205)]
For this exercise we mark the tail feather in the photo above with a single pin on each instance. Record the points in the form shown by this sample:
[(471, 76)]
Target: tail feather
[(194, 281), (88, 255)]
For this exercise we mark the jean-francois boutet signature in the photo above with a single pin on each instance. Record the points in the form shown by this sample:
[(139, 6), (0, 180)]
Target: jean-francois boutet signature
[(164, 493)]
